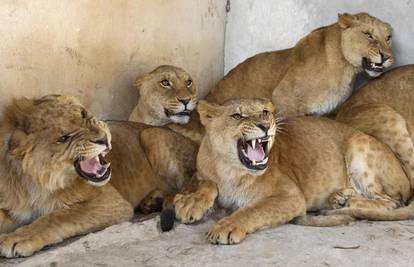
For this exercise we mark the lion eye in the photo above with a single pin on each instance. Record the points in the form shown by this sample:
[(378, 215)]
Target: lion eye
[(165, 83), (236, 116), (189, 83), (63, 138), (369, 35)]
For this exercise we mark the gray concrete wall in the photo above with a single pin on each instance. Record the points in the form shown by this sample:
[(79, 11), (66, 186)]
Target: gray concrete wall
[(95, 49), (255, 26)]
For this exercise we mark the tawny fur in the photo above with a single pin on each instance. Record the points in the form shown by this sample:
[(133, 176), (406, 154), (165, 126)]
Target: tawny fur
[(316, 75), (312, 78), (147, 160), (42, 198), (384, 109), (315, 164)]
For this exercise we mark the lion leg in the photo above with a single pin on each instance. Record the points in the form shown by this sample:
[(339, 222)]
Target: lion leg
[(171, 156), (377, 180), (191, 207), (7, 224), (388, 126), (106, 209), (266, 213), (153, 202)]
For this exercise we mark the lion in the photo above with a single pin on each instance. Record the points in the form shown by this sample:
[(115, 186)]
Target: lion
[(56, 178), (316, 75), (383, 108), (269, 174), (167, 96)]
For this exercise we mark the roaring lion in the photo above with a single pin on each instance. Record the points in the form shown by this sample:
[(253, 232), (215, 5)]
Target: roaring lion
[(55, 171), (384, 109), (269, 174), (316, 75)]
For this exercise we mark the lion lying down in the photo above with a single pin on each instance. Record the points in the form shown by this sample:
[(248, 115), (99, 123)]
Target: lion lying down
[(54, 171), (269, 177)]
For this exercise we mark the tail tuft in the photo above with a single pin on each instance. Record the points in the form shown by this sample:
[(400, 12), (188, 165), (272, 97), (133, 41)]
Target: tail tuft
[(167, 219)]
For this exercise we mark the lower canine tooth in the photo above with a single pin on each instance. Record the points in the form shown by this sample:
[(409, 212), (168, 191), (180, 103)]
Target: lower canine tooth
[(254, 162)]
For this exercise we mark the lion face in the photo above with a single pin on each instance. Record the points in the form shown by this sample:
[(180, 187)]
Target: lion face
[(241, 132), (168, 94), (366, 42), (55, 139)]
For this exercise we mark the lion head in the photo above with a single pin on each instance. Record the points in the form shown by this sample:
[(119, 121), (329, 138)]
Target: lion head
[(168, 94), (366, 42), (54, 140), (240, 132)]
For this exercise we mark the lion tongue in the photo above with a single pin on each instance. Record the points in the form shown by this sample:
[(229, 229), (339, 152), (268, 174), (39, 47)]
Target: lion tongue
[(91, 166), (256, 154)]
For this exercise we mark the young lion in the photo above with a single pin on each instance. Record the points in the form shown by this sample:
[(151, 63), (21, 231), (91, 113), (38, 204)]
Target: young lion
[(316, 75), (269, 178), (311, 78), (167, 96), (384, 109), (53, 175)]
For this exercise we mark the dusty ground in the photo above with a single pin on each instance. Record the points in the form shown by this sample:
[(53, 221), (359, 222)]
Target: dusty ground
[(141, 244)]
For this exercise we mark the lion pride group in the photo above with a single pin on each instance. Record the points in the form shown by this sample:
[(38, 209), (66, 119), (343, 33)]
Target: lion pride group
[(283, 138)]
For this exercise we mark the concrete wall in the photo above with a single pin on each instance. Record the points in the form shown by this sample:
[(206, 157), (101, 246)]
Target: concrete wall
[(256, 26), (95, 49)]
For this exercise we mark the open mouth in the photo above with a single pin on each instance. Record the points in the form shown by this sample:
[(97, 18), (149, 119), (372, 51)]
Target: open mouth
[(371, 66), (254, 153), (169, 113), (95, 170)]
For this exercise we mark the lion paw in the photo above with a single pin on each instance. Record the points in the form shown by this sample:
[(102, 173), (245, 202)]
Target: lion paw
[(190, 208), (226, 233), (339, 199), (14, 245)]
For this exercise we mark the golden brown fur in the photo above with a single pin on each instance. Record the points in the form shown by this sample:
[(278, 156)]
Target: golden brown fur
[(315, 164), (43, 200), (384, 109), (164, 92), (149, 160), (316, 75), (40, 187)]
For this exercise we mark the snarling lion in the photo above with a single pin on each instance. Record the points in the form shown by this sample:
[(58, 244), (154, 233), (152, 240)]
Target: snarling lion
[(55, 171), (268, 174), (316, 75)]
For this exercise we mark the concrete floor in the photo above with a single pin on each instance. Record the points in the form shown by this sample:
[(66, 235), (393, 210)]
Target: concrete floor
[(141, 244)]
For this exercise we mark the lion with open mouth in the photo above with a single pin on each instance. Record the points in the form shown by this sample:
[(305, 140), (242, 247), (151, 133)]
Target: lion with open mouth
[(64, 172), (267, 172)]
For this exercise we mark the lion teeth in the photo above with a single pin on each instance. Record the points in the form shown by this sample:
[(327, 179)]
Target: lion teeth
[(254, 143), (254, 162)]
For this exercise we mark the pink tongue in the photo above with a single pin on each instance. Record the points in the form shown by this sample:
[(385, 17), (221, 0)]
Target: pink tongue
[(90, 166), (256, 154)]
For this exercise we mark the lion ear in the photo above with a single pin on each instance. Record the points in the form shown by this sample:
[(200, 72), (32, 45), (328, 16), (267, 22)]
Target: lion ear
[(139, 81), (346, 20), (208, 111), (18, 144)]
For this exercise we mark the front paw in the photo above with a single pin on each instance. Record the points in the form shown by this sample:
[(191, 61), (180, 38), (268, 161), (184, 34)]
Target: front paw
[(15, 245), (225, 232), (190, 208)]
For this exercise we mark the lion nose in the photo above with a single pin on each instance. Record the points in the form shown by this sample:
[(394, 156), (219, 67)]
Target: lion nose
[(264, 126), (184, 101)]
